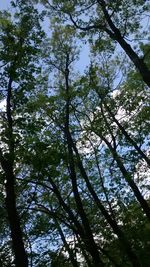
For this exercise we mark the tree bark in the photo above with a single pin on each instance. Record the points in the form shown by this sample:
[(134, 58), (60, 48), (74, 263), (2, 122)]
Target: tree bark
[(129, 179), (125, 244), (90, 243), (66, 245), (127, 136), (116, 35), (21, 259), (122, 168)]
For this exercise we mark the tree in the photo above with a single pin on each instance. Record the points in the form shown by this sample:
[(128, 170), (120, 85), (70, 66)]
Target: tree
[(19, 47), (112, 20), (74, 146)]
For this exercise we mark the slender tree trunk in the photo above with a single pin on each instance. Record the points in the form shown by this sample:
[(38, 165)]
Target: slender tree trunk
[(21, 259), (92, 247), (84, 252), (116, 35), (127, 136), (123, 170), (129, 179), (90, 243), (125, 244), (67, 247), (85, 235), (138, 62)]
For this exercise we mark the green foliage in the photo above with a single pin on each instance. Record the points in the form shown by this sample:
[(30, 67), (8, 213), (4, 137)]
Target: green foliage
[(65, 129)]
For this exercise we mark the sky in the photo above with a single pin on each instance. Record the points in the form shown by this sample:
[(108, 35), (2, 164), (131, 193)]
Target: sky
[(80, 65), (84, 55), (4, 4)]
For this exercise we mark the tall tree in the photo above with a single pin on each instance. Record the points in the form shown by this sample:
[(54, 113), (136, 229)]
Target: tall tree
[(19, 47), (110, 19), (74, 144)]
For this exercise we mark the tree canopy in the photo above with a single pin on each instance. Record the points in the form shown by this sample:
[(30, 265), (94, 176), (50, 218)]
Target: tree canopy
[(74, 142)]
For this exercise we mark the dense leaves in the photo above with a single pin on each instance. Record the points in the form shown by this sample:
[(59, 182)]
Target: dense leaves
[(74, 143)]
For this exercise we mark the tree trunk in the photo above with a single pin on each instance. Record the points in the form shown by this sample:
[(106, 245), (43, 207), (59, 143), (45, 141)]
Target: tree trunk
[(21, 259), (129, 179), (116, 35), (127, 136), (89, 242), (66, 245), (125, 244)]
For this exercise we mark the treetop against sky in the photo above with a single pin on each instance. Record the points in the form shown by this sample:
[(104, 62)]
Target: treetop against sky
[(74, 136)]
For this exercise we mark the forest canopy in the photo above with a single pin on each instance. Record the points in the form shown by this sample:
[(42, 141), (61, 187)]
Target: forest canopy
[(74, 135)]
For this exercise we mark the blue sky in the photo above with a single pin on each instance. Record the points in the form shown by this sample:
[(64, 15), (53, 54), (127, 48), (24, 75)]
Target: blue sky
[(4, 4), (84, 55)]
